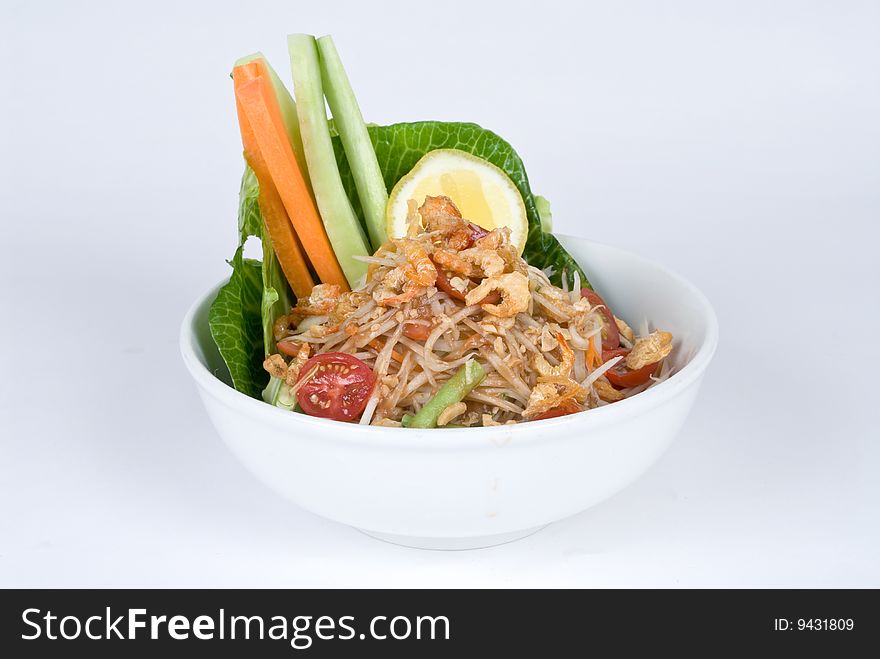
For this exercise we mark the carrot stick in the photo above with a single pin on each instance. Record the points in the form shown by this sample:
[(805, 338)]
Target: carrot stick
[(289, 115), (270, 141), (284, 241)]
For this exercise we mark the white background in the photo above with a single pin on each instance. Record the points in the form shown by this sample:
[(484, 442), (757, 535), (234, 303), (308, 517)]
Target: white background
[(736, 142)]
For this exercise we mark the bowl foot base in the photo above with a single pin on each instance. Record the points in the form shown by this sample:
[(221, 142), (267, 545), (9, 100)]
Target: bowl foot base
[(452, 544)]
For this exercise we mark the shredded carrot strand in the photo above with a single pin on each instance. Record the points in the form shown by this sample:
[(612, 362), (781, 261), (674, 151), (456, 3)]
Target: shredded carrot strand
[(593, 357), (377, 345)]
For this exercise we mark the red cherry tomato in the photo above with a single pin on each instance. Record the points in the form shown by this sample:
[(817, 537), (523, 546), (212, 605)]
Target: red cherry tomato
[(611, 337), (568, 407), (416, 332), (623, 377), (337, 386), (444, 285)]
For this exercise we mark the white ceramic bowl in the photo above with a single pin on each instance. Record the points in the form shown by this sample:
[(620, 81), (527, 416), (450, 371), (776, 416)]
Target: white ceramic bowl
[(472, 487)]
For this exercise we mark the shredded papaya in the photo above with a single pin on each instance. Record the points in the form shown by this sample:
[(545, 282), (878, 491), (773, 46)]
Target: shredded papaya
[(377, 345)]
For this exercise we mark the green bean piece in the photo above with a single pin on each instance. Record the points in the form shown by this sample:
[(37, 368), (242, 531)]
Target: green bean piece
[(453, 391)]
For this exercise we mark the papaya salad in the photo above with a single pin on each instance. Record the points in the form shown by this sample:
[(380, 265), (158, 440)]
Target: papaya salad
[(409, 277)]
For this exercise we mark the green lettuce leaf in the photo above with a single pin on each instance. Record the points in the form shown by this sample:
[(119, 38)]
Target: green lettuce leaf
[(400, 146), (237, 327), (242, 315), (250, 220)]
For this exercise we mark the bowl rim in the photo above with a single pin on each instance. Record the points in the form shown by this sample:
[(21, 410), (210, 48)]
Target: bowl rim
[(462, 437)]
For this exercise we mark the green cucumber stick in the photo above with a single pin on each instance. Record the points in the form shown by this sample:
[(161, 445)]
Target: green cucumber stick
[(342, 226), (453, 391), (356, 140), (288, 113)]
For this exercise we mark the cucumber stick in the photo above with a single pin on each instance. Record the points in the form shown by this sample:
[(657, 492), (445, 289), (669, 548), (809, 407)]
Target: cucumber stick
[(342, 226), (288, 114), (544, 212), (356, 141)]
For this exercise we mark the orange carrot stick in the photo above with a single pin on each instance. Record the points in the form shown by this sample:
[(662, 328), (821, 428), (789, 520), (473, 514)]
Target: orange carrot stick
[(257, 100), (284, 241)]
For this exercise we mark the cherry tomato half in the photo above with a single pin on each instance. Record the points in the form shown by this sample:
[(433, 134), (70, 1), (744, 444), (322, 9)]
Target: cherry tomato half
[(568, 407), (611, 337), (338, 386), (623, 377)]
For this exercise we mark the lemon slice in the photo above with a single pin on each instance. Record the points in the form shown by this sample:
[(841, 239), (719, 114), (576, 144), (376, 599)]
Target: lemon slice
[(483, 193)]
